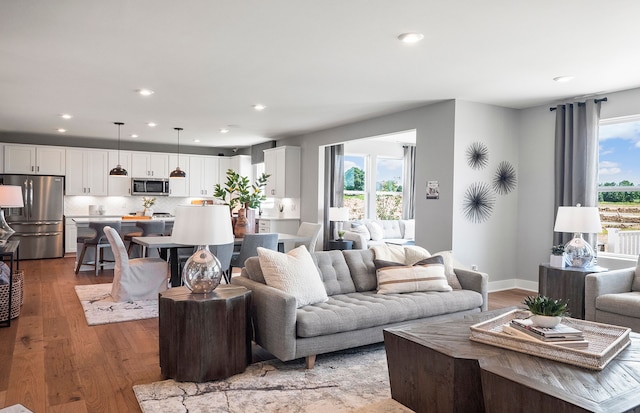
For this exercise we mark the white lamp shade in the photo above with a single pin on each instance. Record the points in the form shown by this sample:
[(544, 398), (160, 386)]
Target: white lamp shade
[(338, 214), (202, 225), (11, 196), (578, 219)]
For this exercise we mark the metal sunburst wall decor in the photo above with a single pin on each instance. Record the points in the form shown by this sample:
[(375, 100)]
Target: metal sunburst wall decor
[(504, 180), (477, 155), (478, 202)]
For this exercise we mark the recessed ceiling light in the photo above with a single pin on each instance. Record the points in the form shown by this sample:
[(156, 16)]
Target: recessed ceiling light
[(563, 78), (152, 124), (196, 140), (259, 107), (145, 92), (61, 130), (133, 135), (224, 130), (411, 37), (66, 116)]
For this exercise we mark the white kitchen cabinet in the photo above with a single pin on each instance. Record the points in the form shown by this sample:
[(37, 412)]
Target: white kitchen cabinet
[(280, 225), (70, 236), (238, 163), (33, 159), (119, 185), (179, 186), (203, 175), (86, 172), (283, 164), (149, 165)]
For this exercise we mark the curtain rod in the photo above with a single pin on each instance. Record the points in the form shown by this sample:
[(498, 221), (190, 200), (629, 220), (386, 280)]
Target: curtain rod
[(582, 103)]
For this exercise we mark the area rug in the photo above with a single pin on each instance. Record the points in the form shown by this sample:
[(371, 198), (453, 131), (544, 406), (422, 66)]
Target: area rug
[(355, 380), (99, 307)]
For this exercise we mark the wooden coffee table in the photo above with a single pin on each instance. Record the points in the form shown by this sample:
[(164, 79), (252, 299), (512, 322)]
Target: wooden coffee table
[(436, 368)]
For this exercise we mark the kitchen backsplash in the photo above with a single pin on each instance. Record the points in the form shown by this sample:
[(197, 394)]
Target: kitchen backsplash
[(121, 205)]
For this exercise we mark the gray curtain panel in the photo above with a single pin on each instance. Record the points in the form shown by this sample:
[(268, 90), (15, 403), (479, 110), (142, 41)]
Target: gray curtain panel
[(334, 185), (409, 182), (576, 159)]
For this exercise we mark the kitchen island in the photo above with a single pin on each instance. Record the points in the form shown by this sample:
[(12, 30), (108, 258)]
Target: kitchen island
[(79, 225)]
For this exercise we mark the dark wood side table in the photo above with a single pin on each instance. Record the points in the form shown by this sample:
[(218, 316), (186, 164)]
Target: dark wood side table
[(337, 244), (567, 283), (204, 337)]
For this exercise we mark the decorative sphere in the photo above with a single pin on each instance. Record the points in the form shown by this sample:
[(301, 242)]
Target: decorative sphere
[(202, 272)]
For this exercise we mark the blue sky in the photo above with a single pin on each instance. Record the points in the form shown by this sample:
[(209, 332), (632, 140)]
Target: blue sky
[(388, 169), (620, 152)]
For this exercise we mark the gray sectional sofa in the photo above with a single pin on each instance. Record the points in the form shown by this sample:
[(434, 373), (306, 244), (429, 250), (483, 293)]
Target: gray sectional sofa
[(355, 314)]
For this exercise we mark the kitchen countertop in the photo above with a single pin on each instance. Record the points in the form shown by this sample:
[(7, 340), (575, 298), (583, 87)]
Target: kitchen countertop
[(275, 218), (99, 218)]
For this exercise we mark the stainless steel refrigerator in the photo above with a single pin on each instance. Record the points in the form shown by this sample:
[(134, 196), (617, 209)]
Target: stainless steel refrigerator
[(39, 225)]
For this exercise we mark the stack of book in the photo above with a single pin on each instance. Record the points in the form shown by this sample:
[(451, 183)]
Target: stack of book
[(561, 335)]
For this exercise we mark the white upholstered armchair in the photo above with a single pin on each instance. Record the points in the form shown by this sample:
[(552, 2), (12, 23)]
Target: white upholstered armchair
[(137, 278), (613, 297)]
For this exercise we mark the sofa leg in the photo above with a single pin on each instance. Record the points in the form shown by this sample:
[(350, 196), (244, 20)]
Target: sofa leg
[(310, 361)]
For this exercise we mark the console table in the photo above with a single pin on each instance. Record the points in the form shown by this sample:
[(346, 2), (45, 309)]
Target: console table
[(567, 283), (204, 337), (10, 250)]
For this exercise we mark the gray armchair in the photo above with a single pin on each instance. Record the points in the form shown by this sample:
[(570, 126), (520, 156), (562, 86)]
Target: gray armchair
[(613, 297)]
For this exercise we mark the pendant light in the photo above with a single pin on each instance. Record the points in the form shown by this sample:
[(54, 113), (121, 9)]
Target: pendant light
[(178, 173), (118, 170)]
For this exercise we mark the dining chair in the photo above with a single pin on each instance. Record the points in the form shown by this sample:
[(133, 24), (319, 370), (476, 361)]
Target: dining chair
[(249, 248), (149, 229), (312, 231), (224, 253), (97, 242), (137, 278)]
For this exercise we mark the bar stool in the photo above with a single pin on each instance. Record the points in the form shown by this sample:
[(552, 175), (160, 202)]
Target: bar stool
[(149, 229), (98, 242)]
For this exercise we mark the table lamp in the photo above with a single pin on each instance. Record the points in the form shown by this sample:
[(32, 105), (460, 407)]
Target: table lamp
[(339, 214), (10, 197), (202, 225), (578, 220)]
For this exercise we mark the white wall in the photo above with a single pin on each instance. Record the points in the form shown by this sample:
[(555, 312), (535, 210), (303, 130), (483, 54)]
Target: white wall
[(491, 245)]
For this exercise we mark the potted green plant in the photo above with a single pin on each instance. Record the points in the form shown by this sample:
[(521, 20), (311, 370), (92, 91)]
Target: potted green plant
[(244, 196), (547, 312), (557, 258)]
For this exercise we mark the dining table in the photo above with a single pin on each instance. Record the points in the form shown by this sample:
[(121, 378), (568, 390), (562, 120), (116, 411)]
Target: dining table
[(166, 243)]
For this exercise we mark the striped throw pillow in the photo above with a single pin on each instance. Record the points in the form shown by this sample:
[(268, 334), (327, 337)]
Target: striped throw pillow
[(425, 275)]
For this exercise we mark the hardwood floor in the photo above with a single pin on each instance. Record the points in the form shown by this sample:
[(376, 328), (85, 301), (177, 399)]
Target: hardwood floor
[(52, 361)]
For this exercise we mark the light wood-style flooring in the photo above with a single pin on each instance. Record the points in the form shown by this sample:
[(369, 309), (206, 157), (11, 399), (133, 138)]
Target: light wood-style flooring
[(52, 361)]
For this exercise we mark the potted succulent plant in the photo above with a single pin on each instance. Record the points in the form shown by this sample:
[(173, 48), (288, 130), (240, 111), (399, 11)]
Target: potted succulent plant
[(547, 312), (557, 258)]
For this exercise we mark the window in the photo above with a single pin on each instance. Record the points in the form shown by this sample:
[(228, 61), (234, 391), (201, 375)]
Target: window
[(381, 185), (388, 188), (355, 196), (619, 186)]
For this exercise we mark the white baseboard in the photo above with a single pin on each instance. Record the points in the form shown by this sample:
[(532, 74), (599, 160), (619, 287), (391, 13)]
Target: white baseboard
[(513, 283)]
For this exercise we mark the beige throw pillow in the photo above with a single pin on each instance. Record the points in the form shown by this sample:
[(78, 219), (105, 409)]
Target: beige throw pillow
[(294, 273), (448, 269), (426, 275)]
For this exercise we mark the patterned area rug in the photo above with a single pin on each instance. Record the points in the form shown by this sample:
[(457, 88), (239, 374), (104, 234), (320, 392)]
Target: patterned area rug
[(355, 380), (99, 308)]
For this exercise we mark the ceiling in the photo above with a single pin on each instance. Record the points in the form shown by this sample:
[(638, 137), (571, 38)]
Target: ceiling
[(314, 64)]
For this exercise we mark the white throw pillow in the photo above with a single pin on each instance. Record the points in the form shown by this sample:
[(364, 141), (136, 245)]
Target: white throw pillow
[(376, 230), (361, 229), (426, 275), (294, 273), (409, 229)]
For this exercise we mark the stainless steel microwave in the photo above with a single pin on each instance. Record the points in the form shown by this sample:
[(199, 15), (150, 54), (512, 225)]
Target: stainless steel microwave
[(144, 186)]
